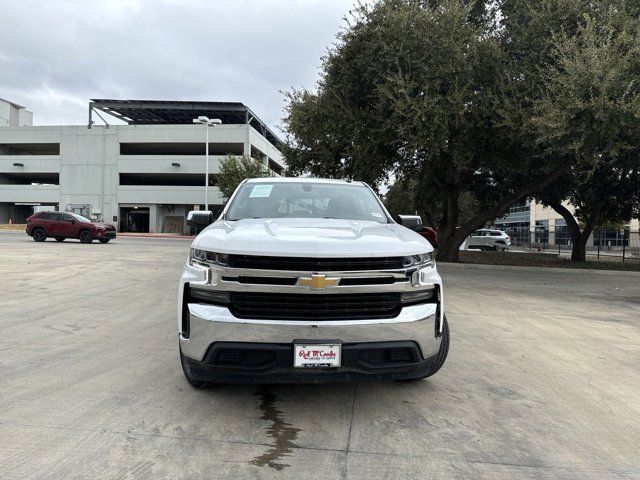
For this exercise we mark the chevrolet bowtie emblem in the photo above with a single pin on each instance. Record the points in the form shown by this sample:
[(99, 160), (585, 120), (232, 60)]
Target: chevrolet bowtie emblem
[(318, 282)]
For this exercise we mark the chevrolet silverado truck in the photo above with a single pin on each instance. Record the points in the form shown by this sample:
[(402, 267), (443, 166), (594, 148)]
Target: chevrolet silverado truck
[(304, 280)]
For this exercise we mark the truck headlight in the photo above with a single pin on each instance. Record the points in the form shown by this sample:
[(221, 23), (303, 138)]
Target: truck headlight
[(204, 257), (423, 264), (422, 277), (421, 260)]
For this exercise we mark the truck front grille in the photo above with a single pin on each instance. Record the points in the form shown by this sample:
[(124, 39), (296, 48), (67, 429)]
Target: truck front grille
[(285, 306), (305, 264)]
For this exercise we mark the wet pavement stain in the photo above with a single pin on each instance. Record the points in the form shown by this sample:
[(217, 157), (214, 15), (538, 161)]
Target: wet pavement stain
[(280, 431)]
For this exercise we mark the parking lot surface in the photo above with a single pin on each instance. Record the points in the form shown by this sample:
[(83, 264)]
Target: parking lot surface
[(542, 381)]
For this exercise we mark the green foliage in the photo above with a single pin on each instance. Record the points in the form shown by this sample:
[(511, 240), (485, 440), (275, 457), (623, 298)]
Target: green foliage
[(233, 170), (417, 90), (405, 197), (400, 198), (477, 105), (590, 112)]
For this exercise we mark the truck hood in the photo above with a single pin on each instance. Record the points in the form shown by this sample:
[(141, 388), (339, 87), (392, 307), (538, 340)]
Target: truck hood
[(317, 237)]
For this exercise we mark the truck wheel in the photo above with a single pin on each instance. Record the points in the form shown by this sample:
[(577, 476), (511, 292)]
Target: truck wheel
[(442, 354), (39, 235), (85, 236), (194, 382), (59, 239), (104, 240)]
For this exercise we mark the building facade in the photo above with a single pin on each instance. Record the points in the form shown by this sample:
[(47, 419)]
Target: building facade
[(531, 223), (14, 115), (142, 176)]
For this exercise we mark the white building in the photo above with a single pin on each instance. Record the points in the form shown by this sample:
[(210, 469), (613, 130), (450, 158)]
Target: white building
[(141, 176), (14, 115), (531, 222)]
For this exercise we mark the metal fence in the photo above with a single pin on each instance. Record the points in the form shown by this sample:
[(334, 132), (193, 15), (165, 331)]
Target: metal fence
[(622, 244)]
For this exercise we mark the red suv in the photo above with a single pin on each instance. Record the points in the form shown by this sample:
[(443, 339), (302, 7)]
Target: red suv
[(61, 225), (430, 234)]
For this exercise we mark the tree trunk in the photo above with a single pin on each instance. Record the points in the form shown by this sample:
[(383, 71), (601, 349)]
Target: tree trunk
[(578, 238), (578, 243), (579, 249), (451, 237), (447, 249)]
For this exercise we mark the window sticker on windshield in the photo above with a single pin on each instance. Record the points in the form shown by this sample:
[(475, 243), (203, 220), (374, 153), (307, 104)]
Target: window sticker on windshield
[(376, 214), (261, 191)]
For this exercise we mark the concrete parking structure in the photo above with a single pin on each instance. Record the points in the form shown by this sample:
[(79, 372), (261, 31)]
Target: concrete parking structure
[(141, 176), (541, 381)]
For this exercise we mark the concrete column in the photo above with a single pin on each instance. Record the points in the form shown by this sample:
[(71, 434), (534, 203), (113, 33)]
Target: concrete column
[(246, 150), (153, 219), (4, 213)]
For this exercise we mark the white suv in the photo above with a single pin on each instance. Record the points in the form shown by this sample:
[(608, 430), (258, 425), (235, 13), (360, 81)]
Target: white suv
[(487, 239), (308, 280)]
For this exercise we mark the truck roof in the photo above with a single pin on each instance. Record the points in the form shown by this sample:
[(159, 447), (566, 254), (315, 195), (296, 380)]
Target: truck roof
[(301, 179)]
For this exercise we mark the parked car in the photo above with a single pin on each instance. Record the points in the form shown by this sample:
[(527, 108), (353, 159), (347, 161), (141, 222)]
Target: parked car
[(305, 280), (430, 234), (63, 225), (488, 239), (415, 224)]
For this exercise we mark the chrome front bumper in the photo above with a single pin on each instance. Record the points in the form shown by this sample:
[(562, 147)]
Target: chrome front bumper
[(209, 324)]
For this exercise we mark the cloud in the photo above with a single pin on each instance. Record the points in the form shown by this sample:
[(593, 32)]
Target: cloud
[(55, 56)]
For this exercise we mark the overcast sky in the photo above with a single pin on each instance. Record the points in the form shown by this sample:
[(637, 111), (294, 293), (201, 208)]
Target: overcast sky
[(56, 55)]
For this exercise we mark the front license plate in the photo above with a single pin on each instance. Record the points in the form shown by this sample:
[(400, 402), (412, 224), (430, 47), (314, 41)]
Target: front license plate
[(316, 355)]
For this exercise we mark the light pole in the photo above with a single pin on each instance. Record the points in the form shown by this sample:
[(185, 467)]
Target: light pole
[(207, 123)]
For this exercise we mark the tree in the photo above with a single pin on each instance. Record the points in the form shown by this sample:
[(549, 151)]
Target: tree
[(404, 197), (422, 90), (400, 198), (233, 170), (590, 114)]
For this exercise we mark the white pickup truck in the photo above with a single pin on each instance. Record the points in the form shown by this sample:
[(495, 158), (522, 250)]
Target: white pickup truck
[(306, 280)]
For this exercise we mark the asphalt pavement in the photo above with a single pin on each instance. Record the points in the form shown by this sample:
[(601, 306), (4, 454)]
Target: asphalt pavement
[(541, 382)]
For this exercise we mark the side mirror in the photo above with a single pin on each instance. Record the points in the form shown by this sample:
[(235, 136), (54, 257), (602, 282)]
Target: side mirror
[(412, 222), (200, 218), (72, 220)]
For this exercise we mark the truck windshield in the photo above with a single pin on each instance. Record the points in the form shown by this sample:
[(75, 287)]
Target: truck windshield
[(305, 200)]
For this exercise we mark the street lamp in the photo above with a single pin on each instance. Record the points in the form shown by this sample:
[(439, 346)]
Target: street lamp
[(207, 122)]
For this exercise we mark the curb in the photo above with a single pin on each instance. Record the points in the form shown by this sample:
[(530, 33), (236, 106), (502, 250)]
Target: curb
[(155, 235), (129, 235), (480, 266)]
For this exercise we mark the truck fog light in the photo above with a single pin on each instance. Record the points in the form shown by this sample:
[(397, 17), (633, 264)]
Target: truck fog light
[(210, 296), (420, 296)]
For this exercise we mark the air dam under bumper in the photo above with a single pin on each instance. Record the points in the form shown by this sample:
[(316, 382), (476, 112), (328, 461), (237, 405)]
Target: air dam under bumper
[(110, 234), (225, 349)]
